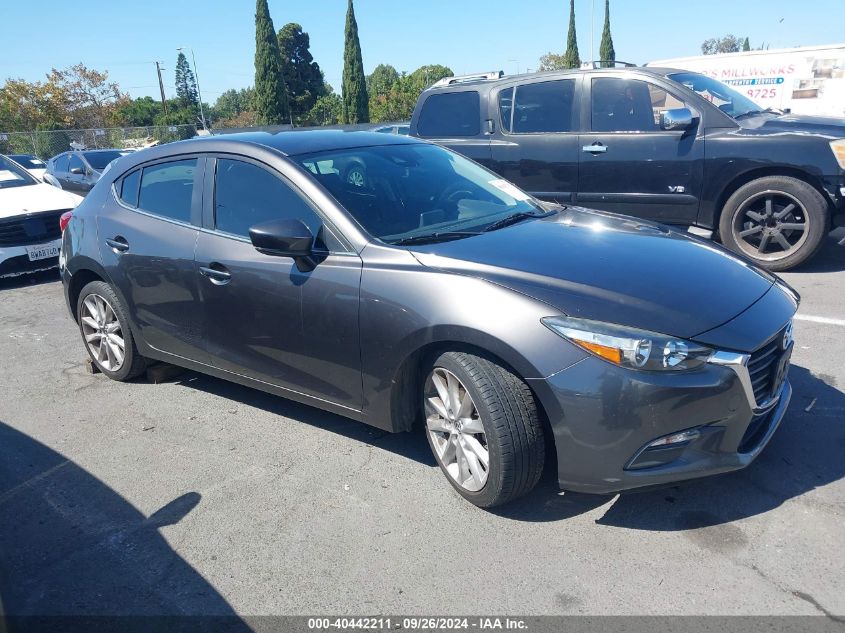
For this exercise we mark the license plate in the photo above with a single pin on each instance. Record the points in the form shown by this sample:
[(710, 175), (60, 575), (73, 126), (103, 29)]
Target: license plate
[(42, 251)]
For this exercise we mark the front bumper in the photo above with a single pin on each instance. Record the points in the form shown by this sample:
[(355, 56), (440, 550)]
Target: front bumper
[(835, 188), (14, 261), (604, 417)]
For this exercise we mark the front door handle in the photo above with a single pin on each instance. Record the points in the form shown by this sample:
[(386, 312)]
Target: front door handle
[(595, 148), (118, 244), (217, 275)]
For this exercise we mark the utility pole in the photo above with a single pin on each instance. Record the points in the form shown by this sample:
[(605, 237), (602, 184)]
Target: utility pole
[(161, 88)]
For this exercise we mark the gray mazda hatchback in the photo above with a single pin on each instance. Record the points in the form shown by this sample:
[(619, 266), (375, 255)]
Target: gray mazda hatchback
[(430, 292)]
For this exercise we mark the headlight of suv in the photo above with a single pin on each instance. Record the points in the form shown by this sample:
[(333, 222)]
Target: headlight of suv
[(838, 148), (629, 347)]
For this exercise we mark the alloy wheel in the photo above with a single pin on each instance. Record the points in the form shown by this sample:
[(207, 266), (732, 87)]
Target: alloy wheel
[(456, 431), (355, 177), (771, 225), (103, 333)]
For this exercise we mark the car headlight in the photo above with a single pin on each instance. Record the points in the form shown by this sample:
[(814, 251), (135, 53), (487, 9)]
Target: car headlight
[(629, 347), (838, 148)]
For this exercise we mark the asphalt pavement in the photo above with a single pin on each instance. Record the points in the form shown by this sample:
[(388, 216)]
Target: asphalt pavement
[(199, 496)]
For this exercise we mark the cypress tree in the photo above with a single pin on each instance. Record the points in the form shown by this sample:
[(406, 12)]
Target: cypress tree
[(186, 85), (271, 96), (570, 57), (606, 51), (746, 45), (355, 100)]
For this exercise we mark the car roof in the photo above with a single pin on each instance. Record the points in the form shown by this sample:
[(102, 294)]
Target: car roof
[(294, 142), (505, 79)]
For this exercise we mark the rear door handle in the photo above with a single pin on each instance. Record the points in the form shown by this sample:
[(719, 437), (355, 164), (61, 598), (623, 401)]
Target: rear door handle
[(118, 244), (218, 275), (595, 148)]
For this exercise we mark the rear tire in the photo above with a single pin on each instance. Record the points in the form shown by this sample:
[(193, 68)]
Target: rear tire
[(778, 222), (499, 421), (105, 332)]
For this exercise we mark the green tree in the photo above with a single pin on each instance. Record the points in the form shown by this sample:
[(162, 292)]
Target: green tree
[(186, 84), (328, 110), (552, 61), (726, 44), (381, 80), (271, 97), (303, 77), (570, 57), (355, 99), (606, 51), (232, 102), (746, 45), (140, 111), (397, 103)]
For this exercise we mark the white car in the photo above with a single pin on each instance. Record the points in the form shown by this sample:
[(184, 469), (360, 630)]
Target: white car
[(30, 211), (32, 164)]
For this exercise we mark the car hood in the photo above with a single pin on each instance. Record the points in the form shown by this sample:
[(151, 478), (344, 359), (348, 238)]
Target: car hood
[(798, 123), (610, 268), (34, 198)]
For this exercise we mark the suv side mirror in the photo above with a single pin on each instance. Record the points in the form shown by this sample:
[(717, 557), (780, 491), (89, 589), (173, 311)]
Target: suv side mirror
[(285, 238), (676, 119)]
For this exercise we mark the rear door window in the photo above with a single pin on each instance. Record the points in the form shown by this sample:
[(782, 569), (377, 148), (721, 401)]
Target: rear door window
[(544, 107), (129, 188), (450, 114), (167, 189)]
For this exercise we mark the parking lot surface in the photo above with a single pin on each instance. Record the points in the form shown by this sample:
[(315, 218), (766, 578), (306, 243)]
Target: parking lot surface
[(196, 496)]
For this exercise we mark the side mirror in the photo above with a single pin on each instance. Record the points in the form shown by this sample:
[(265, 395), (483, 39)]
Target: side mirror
[(285, 238), (676, 119), (76, 170)]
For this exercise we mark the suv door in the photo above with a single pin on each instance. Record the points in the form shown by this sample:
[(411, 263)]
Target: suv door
[(536, 146), (628, 164), (265, 317), (147, 237), (456, 119)]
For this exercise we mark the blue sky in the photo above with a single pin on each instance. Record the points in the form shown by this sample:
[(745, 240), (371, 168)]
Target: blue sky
[(466, 35)]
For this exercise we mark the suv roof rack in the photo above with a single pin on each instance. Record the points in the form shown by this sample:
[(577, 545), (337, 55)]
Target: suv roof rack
[(457, 79), (607, 63)]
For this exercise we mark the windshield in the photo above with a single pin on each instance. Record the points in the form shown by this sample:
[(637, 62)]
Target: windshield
[(396, 192), (724, 97), (99, 160), (29, 162), (13, 175)]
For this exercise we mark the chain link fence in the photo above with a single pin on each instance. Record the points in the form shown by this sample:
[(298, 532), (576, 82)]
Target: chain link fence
[(46, 144)]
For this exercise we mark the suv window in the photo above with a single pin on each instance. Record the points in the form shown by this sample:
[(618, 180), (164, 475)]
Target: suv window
[(628, 105), (60, 163), (450, 114), (543, 107), (246, 195), (167, 188), (129, 188), (75, 161)]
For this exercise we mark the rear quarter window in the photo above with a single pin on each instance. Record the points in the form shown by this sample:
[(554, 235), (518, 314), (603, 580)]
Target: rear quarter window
[(450, 114)]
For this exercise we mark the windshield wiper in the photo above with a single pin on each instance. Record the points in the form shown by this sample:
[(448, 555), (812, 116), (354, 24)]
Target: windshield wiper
[(753, 112), (517, 217), (430, 238)]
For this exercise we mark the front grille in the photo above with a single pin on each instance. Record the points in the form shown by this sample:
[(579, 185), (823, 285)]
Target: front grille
[(35, 228), (761, 368)]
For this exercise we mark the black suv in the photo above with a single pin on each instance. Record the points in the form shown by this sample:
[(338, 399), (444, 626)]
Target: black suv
[(673, 146)]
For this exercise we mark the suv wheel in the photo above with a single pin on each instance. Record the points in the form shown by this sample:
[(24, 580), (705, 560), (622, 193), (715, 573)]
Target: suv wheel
[(777, 221), (105, 331), (482, 425)]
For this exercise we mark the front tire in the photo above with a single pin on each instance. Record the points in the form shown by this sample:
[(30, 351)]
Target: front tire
[(483, 428), (106, 334), (777, 221)]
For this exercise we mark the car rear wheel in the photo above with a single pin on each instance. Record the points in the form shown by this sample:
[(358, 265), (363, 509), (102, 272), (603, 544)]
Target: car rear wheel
[(105, 332), (482, 425), (777, 221)]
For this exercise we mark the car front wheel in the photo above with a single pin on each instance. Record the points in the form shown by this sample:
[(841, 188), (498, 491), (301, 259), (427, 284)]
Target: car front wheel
[(482, 425), (105, 332), (777, 221)]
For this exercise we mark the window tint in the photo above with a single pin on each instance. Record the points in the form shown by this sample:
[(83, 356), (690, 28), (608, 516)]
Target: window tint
[(629, 105), (167, 188), (544, 107), (129, 188), (60, 163), (450, 114), (75, 161), (246, 195), (506, 108)]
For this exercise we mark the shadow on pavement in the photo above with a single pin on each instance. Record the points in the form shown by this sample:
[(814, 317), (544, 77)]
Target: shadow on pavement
[(805, 453), (72, 547), (409, 445), (30, 279), (830, 258)]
